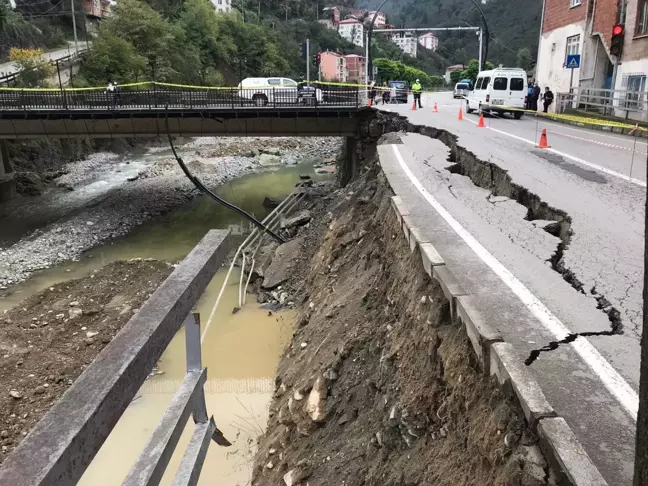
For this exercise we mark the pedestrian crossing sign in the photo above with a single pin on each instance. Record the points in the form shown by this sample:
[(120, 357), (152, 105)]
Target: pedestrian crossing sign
[(573, 61)]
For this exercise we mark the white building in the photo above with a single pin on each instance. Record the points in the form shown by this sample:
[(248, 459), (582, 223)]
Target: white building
[(429, 41), (407, 42), (352, 30), (381, 18), (222, 5)]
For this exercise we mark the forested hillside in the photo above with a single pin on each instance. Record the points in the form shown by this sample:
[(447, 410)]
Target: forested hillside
[(514, 26)]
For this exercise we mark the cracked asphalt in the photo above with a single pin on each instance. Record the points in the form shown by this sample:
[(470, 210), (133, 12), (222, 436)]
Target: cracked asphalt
[(584, 179), (606, 248)]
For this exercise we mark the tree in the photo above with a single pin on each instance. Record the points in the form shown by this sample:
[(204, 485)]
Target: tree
[(114, 59), (34, 69), (524, 59)]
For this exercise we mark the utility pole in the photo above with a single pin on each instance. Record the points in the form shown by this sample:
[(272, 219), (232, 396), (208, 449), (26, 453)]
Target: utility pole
[(76, 40), (481, 50), (308, 62)]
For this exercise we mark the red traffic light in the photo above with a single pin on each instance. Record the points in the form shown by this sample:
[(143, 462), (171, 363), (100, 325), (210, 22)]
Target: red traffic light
[(617, 30)]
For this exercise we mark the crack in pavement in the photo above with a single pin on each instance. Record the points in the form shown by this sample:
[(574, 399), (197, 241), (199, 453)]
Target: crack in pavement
[(490, 176)]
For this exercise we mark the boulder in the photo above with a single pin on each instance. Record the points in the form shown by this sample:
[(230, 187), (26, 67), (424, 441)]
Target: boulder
[(271, 202), (282, 264), (29, 184), (316, 404), (271, 151), (267, 159), (296, 475), (298, 219)]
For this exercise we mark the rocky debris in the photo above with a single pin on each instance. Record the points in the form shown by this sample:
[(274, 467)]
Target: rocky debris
[(281, 267), (298, 219), (271, 202), (268, 160), (40, 362), (316, 404), (295, 476), (29, 184), (304, 177), (271, 151)]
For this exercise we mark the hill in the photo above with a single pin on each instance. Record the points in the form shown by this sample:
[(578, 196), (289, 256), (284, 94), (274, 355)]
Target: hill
[(514, 26)]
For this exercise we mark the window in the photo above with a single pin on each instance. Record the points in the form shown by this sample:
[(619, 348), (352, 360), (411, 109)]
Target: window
[(575, 3), (517, 84), (573, 46), (642, 17), (290, 82), (635, 85), (274, 82), (500, 84), (482, 83)]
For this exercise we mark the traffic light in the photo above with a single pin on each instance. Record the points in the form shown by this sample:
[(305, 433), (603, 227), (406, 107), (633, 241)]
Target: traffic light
[(317, 58), (616, 45), (304, 49)]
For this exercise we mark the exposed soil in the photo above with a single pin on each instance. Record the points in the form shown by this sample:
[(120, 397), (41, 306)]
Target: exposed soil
[(50, 338), (378, 386)]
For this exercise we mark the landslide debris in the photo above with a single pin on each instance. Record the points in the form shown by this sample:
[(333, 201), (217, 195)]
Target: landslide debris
[(378, 386)]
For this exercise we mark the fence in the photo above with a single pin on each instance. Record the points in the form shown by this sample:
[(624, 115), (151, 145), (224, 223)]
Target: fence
[(627, 104), (177, 98), (63, 443)]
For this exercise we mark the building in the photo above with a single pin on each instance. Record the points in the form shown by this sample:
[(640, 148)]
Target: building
[(585, 27), (352, 30), (331, 17), (356, 68), (450, 70), (333, 67), (407, 42), (222, 5), (429, 41), (381, 18), (95, 11)]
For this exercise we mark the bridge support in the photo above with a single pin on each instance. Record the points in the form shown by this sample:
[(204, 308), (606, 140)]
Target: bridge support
[(348, 167), (7, 182)]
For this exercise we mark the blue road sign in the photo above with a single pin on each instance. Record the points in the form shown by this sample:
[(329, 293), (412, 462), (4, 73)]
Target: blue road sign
[(573, 61)]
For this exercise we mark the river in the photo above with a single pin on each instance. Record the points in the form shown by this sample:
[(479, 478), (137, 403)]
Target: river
[(241, 350)]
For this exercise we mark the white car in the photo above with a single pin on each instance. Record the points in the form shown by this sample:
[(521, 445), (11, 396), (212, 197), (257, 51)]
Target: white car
[(502, 90), (461, 90), (264, 91)]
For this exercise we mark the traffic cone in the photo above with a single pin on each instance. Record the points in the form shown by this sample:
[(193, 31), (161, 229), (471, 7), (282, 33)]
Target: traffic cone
[(543, 140), (481, 122), (436, 110), (460, 117), (414, 105), (369, 101)]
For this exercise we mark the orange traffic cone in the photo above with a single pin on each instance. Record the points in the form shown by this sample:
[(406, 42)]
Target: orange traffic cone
[(543, 140), (436, 110), (414, 106), (481, 122), (460, 117), (369, 101)]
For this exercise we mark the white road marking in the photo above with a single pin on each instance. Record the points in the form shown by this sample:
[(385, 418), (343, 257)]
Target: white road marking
[(571, 157), (612, 380), (592, 133)]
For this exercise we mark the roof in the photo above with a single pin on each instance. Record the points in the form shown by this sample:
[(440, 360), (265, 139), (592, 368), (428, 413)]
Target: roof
[(349, 21), (429, 34), (332, 53), (454, 67)]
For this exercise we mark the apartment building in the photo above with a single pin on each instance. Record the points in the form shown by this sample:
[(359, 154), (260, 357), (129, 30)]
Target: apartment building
[(333, 67), (356, 68), (381, 18), (407, 42), (585, 27), (222, 5), (352, 30), (429, 41)]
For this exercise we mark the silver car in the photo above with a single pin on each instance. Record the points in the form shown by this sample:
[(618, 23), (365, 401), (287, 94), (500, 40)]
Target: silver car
[(461, 90)]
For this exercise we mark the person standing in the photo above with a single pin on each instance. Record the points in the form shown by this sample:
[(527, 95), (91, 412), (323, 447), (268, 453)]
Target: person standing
[(548, 98), (529, 98), (536, 97), (416, 91), (385, 93)]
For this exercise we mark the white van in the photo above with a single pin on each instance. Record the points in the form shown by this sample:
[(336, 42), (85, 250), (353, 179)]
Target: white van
[(498, 90), (264, 91)]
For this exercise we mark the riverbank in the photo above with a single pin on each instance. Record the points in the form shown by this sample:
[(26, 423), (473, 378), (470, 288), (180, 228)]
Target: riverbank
[(107, 195)]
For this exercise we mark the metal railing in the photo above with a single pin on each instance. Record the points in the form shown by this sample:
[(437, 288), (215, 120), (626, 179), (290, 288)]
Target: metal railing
[(58, 64), (630, 105), (62, 444), (177, 98)]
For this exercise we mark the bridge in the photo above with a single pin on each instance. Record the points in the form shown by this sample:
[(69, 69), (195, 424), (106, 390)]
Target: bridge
[(180, 112)]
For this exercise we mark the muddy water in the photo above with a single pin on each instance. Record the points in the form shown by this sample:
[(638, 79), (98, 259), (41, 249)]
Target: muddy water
[(241, 351)]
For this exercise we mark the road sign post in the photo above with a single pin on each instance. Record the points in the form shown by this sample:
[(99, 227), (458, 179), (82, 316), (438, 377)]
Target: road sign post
[(573, 62)]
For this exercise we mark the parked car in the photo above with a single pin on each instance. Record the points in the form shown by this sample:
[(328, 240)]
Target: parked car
[(498, 91), (398, 91), (461, 90), (264, 91)]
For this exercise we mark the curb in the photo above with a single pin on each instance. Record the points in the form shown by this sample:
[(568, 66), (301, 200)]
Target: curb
[(598, 127), (498, 358)]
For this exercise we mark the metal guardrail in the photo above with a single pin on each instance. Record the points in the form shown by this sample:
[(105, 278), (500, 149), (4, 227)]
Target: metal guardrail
[(631, 105), (59, 448), (187, 99), (59, 63)]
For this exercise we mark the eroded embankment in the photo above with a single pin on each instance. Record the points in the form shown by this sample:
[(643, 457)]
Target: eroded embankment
[(497, 180), (378, 386)]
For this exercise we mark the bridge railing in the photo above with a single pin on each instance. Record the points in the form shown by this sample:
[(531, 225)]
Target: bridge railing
[(179, 98), (59, 448)]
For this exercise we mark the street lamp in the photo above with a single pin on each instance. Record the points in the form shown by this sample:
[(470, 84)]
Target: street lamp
[(484, 54), (369, 59)]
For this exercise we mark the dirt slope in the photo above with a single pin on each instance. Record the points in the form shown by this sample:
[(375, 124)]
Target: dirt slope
[(378, 387)]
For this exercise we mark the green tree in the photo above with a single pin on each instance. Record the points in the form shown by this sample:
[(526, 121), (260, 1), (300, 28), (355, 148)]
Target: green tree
[(524, 59), (114, 59), (34, 69)]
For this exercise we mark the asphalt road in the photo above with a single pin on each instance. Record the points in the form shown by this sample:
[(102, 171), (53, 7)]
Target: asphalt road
[(10, 67), (598, 179)]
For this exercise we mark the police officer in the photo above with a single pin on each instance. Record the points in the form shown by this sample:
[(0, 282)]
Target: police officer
[(416, 91)]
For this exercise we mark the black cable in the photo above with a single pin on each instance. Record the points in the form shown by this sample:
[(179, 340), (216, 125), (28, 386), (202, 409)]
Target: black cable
[(201, 187)]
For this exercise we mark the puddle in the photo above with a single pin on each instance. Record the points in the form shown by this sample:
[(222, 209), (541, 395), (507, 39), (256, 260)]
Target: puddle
[(241, 352)]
